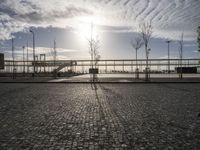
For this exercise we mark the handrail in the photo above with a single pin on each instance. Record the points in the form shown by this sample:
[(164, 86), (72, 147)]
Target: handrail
[(185, 59)]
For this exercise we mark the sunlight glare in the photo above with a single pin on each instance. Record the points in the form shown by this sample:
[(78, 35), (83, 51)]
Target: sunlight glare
[(88, 26)]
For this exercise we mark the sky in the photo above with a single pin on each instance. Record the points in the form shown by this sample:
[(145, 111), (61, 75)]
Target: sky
[(115, 23)]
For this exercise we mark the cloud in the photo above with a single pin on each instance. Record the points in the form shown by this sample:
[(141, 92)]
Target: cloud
[(169, 17), (104, 28), (17, 15), (62, 53), (190, 45)]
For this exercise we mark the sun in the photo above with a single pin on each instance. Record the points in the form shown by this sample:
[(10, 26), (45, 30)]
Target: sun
[(87, 27)]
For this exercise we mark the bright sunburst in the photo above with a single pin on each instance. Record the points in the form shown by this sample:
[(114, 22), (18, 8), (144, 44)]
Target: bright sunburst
[(87, 26)]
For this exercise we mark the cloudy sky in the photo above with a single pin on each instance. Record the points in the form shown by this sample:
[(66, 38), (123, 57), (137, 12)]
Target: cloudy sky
[(115, 22)]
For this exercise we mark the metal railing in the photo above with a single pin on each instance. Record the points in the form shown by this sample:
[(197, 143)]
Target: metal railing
[(105, 66)]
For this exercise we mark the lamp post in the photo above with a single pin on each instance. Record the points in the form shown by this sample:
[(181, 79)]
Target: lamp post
[(27, 57), (33, 52), (13, 57), (54, 59), (181, 57), (136, 57), (23, 60), (168, 43)]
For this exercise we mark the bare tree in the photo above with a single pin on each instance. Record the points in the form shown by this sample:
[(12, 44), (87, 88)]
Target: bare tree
[(94, 52), (96, 47), (146, 30), (137, 43)]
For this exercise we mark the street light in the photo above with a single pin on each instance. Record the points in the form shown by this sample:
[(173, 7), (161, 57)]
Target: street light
[(168, 43), (27, 57), (13, 57), (23, 47), (33, 52)]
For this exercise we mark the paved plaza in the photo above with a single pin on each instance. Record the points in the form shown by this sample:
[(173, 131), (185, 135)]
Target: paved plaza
[(106, 78), (101, 116)]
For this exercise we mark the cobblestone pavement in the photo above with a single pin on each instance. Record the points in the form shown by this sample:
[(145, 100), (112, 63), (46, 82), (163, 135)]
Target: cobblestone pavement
[(106, 116), (107, 78)]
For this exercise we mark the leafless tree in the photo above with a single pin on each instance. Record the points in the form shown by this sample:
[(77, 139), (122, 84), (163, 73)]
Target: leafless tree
[(94, 45), (95, 57), (137, 43), (146, 30)]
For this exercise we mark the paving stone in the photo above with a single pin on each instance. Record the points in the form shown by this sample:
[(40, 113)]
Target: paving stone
[(114, 116)]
